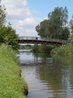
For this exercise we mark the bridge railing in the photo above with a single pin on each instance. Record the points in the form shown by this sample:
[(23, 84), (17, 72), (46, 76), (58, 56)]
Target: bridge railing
[(27, 37), (30, 38), (41, 39)]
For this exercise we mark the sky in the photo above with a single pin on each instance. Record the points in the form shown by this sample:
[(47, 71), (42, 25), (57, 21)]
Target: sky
[(24, 15)]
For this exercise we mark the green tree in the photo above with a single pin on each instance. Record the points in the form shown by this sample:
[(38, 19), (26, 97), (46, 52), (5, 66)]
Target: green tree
[(71, 25), (2, 15), (7, 33), (55, 25), (8, 36), (43, 29), (71, 29)]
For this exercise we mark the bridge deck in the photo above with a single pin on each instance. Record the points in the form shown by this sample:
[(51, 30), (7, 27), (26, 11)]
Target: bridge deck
[(39, 40)]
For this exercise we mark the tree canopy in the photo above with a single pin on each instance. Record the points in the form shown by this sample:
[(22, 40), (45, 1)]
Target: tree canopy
[(55, 25), (71, 25), (2, 15), (8, 36)]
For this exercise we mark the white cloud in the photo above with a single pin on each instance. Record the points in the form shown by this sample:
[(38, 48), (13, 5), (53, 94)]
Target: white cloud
[(15, 12), (27, 21), (20, 16), (16, 7)]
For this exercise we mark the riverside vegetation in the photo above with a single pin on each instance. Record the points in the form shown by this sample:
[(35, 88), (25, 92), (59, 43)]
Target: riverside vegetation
[(11, 84), (54, 27), (64, 52), (57, 26)]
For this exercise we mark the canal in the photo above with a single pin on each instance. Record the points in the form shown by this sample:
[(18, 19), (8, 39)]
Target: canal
[(46, 78)]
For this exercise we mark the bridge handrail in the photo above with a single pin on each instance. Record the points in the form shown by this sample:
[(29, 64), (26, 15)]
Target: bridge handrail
[(42, 39)]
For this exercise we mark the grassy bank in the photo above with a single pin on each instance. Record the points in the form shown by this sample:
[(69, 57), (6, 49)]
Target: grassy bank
[(11, 84)]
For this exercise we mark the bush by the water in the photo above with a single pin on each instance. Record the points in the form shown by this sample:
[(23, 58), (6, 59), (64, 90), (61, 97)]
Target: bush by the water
[(39, 50), (65, 51), (8, 36), (11, 84)]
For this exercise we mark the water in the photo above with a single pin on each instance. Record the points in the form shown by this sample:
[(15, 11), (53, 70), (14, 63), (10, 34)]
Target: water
[(46, 79)]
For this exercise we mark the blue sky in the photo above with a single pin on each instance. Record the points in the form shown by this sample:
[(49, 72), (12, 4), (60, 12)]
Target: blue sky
[(24, 15), (43, 7)]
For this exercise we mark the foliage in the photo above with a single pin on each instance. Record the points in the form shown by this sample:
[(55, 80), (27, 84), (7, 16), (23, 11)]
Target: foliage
[(7, 33), (2, 15), (71, 25), (35, 48), (8, 36), (65, 34), (65, 51), (71, 31), (43, 28), (42, 50), (55, 25), (11, 84), (25, 46)]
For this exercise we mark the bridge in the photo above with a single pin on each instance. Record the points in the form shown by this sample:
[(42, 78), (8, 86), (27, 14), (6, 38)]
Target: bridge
[(38, 40)]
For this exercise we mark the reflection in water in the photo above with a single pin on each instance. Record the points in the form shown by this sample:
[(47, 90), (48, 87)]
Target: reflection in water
[(47, 80)]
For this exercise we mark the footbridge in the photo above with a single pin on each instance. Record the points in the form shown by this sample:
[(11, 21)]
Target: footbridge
[(38, 40)]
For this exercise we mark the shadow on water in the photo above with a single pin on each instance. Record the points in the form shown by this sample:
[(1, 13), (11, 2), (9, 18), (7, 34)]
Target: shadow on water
[(47, 78)]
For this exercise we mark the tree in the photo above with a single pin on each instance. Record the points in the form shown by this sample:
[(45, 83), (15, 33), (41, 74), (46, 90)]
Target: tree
[(8, 36), (55, 25), (2, 15), (71, 29), (7, 33), (71, 25), (65, 34), (42, 29)]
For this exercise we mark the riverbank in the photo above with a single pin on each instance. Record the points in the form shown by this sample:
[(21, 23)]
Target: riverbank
[(11, 84), (64, 52)]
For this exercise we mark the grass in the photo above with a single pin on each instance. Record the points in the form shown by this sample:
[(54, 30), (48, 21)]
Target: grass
[(63, 52), (11, 84)]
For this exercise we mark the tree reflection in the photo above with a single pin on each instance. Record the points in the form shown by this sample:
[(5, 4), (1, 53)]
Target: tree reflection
[(56, 77)]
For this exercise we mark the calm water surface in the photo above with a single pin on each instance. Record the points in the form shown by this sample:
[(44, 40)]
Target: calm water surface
[(45, 78)]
